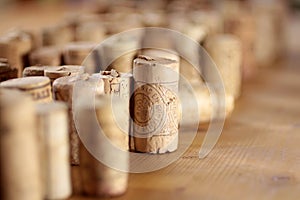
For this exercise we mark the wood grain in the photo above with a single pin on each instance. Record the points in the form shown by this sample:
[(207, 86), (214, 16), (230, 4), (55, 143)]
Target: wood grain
[(257, 156)]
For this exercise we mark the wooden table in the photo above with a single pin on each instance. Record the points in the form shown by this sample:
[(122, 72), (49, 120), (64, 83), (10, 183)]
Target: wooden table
[(257, 156)]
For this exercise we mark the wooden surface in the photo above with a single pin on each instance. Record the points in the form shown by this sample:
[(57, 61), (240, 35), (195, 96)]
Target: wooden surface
[(256, 157), (258, 154)]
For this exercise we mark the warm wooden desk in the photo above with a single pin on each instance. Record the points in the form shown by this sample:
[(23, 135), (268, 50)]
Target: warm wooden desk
[(257, 156)]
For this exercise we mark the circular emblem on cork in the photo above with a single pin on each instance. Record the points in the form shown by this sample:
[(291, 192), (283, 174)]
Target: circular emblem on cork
[(151, 109)]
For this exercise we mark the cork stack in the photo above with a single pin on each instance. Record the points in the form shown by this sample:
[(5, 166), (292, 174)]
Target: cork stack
[(19, 160), (154, 105), (52, 127), (38, 87)]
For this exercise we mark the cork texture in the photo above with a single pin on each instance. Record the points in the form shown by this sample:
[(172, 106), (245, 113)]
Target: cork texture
[(20, 169), (52, 123), (226, 52), (154, 105), (38, 87)]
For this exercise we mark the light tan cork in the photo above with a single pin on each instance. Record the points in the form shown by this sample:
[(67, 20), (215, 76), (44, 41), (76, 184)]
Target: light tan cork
[(226, 52), (38, 87), (97, 178), (52, 127), (154, 105), (50, 56), (19, 153), (63, 91)]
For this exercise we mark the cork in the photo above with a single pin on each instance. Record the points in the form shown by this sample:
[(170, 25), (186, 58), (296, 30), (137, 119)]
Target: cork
[(52, 127), (97, 178), (202, 100), (34, 71), (244, 27), (63, 91), (119, 21), (154, 18), (212, 19), (6, 72), (75, 54), (270, 18), (172, 55), (20, 176), (119, 53), (50, 56), (20, 39), (158, 39), (38, 87), (65, 70), (120, 85), (115, 83), (36, 38), (226, 52), (154, 105), (57, 35), (90, 32), (14, 46)]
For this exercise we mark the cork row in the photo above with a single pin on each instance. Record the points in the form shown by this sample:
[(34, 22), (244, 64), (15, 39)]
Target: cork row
[(138, 99)]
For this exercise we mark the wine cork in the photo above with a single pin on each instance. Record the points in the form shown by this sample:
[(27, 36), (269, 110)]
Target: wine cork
[(63, 91), (65, 70), (158, 39), (15, 46), (115, 83), (243, 27), (90, 32), (50, 56), (172, 55), (212, 19), (34, 71), (6, 72), (226, 52), (97, 178), (151, 18), (118, 84), (154, 105), (52, 123), (269, 19), (38, 87), (20, 39), (36, 38), (120, 52), (116, 22), (204, 104), (76, 53), (19, 159), (58, 35)]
